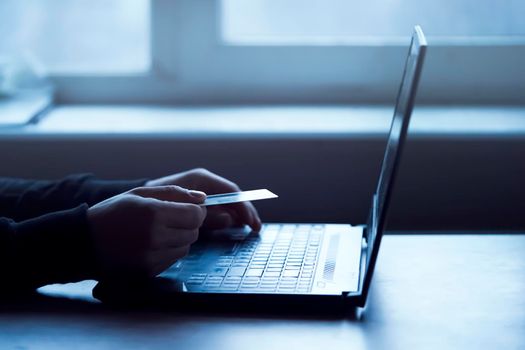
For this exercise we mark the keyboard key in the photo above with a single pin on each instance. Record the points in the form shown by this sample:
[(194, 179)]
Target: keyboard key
[(268, 287), (288, 278), (263, 252), (257, 266), (241, 261), (270, 279), (295, 256), (252, 279), (294, 268), (291, 273), (258, 262), (235, 280), (245, 265), (236, 271), (287, 284), (232, 280), (272, 274), (273, 269), (210, 284), (255, 272), (274, 283), (277, 260), (279, 253), (286, 288), (214, 279), (228, 287), (249, 285)]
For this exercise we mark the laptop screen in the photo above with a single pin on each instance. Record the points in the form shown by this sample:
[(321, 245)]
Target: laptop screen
[(396, 139)]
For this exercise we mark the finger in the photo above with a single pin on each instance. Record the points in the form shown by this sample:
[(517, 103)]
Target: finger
[(217, 219), (237, 221), (244, 213), (180, 215), (171, 193), (256, 223), (214, 184), (166, 237)]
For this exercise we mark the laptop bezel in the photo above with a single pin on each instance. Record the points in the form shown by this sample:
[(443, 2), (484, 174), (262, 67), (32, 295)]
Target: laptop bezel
[(377, 217)]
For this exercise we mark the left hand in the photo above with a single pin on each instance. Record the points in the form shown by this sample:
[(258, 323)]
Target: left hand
[(219, 216)]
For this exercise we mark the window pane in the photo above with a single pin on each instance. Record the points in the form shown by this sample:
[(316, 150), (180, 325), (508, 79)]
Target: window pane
[(82, 36), (343, 19)]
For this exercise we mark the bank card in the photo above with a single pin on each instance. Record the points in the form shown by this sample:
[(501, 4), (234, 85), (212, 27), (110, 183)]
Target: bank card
[(236, 197)]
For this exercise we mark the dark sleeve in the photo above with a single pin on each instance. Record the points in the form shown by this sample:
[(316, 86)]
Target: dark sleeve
[(23, 199), (44, 232), (52, 248)]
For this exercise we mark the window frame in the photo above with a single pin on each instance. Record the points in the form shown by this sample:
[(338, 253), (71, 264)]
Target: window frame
[(191, 64)]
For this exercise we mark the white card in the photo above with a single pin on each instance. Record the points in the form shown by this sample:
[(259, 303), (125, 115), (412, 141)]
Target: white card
[(235, 197)]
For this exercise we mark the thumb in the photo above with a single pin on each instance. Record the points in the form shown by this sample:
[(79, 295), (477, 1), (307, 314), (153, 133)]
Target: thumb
[(170, 193)]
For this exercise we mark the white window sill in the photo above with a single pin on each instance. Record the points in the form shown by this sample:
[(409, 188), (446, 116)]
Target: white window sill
[(276, 121)]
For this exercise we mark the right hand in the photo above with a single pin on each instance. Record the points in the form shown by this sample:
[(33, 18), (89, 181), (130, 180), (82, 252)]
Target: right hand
[(142, 232)]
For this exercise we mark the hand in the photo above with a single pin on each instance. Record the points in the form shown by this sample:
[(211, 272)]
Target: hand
[(218, 216), (142, 232)]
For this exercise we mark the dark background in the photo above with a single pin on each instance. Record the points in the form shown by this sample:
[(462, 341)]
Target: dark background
[(452, 183)]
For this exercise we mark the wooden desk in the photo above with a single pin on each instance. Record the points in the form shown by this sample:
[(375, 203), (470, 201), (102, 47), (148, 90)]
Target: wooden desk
[(429, 292)]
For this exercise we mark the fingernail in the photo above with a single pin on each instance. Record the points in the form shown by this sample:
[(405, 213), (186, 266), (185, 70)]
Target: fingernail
[(197, 194)]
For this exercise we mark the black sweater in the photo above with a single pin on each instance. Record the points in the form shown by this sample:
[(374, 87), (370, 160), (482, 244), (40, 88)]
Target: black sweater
[(44, 232)]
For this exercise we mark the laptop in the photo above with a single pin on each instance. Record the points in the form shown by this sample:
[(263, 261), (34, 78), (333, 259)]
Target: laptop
[(302, 264)]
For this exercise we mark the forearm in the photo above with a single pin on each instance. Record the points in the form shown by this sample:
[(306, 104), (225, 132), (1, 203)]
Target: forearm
[(23, 199), (54, 248)]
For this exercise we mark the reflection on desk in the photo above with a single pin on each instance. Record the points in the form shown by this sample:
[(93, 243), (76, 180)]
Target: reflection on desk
[(429, 292)]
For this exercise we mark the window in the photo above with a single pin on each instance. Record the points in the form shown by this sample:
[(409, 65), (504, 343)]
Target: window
[(279, 51), (374, 20), (78, 36)]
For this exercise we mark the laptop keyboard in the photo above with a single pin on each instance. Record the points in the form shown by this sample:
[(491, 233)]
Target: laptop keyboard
[(282, 259)]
